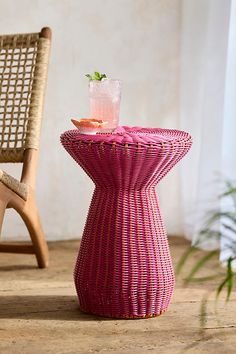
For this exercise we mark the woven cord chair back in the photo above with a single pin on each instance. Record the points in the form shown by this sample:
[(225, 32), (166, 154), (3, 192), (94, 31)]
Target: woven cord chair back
[(23, 73)]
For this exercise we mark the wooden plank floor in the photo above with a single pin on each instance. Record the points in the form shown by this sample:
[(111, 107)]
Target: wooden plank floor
[(39, 314)]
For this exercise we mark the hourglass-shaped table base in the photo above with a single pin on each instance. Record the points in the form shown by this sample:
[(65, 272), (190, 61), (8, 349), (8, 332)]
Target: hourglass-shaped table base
[(124, 268)]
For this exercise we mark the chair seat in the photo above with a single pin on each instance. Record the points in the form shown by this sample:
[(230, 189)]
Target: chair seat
[(21, 189)]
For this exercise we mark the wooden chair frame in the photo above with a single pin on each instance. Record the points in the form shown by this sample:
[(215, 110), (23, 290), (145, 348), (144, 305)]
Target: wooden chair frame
[(27, 207)]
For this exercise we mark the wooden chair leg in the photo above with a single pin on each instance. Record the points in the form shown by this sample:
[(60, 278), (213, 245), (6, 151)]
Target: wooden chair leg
[(33, 224), (4, 199), (29, 213), (2, 212)]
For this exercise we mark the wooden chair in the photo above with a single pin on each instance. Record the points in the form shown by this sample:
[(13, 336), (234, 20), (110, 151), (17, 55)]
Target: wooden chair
[(23, 74)]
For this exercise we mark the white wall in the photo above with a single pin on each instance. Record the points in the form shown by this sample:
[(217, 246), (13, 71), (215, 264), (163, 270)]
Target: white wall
[(136, 41)]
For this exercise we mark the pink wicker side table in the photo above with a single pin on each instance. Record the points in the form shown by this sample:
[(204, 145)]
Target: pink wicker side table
[(124, 268)]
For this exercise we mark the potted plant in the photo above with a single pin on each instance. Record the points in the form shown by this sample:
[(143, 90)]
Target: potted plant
[(219, 225)]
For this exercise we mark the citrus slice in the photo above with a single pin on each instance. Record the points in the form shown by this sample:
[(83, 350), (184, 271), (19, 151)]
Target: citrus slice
[(88, 125)]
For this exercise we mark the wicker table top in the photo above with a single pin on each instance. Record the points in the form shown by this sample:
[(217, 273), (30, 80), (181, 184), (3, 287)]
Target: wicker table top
[(124, 135)]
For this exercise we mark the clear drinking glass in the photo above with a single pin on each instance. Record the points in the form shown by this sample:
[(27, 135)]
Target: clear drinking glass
[(105, 102)]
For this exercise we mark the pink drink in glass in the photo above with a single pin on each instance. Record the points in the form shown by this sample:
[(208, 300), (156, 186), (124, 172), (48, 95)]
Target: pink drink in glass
[(105, 102)]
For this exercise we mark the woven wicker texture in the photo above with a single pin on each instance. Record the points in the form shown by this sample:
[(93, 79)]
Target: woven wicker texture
[(23, 72), (18, 187), (124, 268)]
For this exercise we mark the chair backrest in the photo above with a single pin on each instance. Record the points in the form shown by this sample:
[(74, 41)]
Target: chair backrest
[(23, 74)]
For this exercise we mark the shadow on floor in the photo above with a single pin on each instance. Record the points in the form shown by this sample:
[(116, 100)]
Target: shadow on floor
[(44, 307), (17, 267)]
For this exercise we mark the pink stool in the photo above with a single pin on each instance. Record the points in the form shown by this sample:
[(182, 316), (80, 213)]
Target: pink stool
[(124, 268)]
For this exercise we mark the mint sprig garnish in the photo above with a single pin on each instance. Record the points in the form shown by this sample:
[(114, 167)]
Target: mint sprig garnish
[(96, 76)]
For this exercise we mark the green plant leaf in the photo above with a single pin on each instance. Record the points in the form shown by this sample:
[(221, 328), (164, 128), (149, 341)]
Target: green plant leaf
[(228, 281), (217, 216), (230, 189), (198, 265), (220, 287), (206, 234), (89, 76), (184, 258), (202, 279), (97, 75), (229, 192), (230, 247), (228, 227), (230, 276)]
